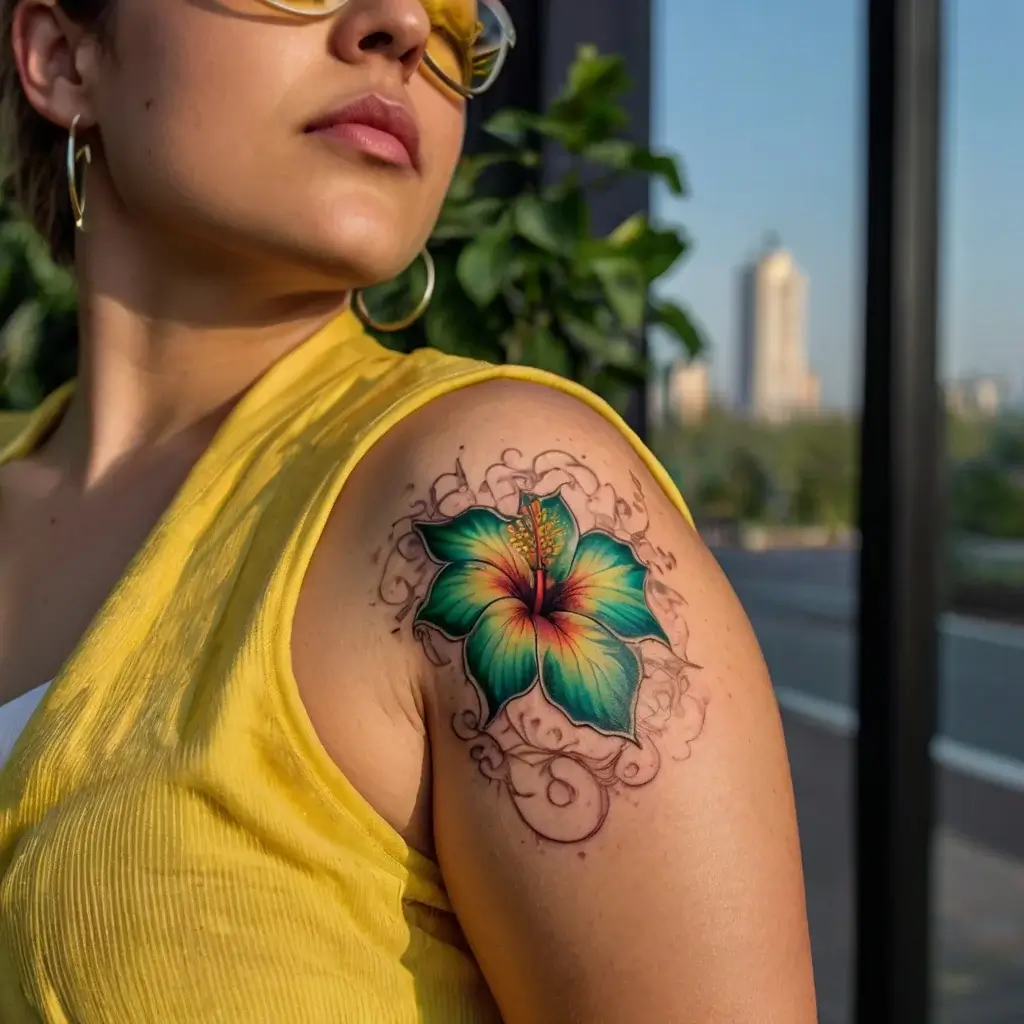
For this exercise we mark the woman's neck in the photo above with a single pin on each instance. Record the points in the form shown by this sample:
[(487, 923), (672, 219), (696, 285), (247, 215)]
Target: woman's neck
[(172, 332), (148, 378)]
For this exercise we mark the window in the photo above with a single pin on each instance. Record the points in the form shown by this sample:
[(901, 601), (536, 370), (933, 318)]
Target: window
[(979, 754), (764, 103)]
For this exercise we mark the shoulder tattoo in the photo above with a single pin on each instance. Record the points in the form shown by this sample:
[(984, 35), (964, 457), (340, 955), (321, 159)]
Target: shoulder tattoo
[(540, 587)]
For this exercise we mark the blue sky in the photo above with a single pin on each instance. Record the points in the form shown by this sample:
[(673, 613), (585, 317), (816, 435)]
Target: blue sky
[(764, 103)]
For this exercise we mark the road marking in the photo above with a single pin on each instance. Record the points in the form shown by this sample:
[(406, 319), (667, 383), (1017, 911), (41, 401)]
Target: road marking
[(1004, 634), (829, 714), (839, 603), (978, 764), (951, 754)]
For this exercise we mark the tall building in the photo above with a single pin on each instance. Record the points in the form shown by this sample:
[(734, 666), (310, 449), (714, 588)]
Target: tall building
[(776, 382), (689, 391)]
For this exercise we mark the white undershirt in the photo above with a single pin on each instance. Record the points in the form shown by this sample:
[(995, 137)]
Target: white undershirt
[(14, 716)]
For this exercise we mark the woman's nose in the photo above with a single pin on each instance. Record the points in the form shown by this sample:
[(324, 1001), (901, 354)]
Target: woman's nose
[(396, 31)]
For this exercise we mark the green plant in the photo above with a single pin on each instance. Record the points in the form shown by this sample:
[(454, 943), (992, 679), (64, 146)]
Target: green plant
[(38, 302), (524, 279)]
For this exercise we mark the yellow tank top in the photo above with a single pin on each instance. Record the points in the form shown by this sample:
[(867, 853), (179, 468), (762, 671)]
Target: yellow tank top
[(175, 845)]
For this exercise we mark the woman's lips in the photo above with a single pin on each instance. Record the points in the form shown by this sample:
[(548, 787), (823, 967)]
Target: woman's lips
[(373, 142), (377, 126)]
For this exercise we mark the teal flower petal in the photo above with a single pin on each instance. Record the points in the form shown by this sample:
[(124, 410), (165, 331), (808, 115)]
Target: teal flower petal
[(591, 675), (458, 595), (551, 520), (501, 654), (607, 583), (476, 535)]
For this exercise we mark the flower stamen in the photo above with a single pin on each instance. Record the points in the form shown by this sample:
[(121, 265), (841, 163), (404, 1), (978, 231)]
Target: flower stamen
[(537, 535)]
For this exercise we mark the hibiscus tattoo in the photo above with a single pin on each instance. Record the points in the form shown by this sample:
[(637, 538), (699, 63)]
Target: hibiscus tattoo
[(540, 589), (537, 603)]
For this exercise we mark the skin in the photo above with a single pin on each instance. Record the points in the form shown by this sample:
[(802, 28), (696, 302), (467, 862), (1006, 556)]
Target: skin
[(198, 271)]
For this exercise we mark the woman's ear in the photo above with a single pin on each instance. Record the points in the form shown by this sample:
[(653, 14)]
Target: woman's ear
[(56, 62)]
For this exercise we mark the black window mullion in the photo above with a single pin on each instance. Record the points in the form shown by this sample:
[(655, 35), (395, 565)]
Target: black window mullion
[(899, 503)]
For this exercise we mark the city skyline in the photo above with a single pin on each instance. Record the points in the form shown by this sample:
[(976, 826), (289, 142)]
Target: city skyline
[(764, 104)]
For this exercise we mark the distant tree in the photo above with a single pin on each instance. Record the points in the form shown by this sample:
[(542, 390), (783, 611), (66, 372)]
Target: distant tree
[(1008, 442), (714, 499), (801, 472), (967, 437), (806, 472), (826, 479), (987, 499), (750, 484)]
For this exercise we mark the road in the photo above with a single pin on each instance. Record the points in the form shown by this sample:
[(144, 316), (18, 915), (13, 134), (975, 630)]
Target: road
[(803, 605)]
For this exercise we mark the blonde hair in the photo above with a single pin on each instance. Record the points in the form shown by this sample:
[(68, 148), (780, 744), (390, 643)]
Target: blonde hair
[(33, 148)]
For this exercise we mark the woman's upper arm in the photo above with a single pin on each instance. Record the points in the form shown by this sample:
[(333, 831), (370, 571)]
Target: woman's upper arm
[(612, 801)]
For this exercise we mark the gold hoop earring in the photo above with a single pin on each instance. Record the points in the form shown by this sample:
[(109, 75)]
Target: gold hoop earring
[(421, 307), (74, 154)]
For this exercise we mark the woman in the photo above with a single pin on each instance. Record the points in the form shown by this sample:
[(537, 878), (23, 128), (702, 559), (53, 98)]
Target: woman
[(383, 688)]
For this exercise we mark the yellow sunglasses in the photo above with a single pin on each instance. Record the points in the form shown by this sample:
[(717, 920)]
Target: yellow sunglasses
[(469, 66)]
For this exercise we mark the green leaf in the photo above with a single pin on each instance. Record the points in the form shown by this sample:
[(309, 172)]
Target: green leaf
[(513, 126), (556, 226), (589, 108), (591, 251), (617, 387), (625, 288), (467, 219), (464, 181), (19, 338), (471, 168), (579, 124), (603, 345), (596, 76), (539, 346), (627, 157), (628, 231), (661, 166), (656, 250), (454, 324), (614, 153), (678, 322), (482, 265), (460, 332)]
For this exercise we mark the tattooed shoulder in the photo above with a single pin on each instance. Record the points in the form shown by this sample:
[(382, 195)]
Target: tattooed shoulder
[(540, 590)]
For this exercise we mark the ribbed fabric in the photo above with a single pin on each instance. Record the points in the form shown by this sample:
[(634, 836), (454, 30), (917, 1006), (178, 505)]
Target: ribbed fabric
[(175, 844)]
